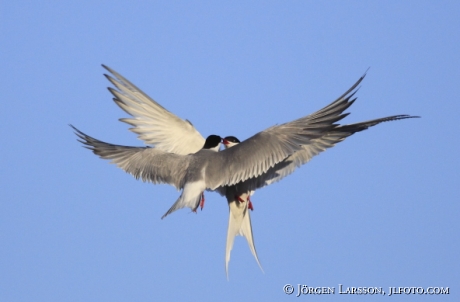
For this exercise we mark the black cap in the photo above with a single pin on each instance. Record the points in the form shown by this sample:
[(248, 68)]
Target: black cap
[(212, 141), (232, 139)]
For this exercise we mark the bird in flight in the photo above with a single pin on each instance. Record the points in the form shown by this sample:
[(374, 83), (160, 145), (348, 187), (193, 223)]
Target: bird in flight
[(177, 154)]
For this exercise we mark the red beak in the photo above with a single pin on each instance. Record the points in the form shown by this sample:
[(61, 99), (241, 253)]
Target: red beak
[(226, 142)]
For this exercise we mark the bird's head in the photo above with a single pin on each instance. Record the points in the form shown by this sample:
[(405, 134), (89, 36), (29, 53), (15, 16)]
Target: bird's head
[(213, 142), (230, 141)]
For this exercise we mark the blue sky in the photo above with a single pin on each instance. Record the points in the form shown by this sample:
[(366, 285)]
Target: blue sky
[(379, 209)]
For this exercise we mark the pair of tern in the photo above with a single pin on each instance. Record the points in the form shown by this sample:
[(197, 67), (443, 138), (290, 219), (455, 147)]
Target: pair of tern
[(177, 154)]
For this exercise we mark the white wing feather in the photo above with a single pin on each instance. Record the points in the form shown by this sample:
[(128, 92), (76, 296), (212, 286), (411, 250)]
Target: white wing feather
[(154, 124)]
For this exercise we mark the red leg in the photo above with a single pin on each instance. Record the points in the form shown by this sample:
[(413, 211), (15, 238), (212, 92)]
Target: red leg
[(202, 201), (249, 202)]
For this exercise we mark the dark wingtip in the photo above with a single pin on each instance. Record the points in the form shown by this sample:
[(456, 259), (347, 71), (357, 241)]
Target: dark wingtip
[(81, 136), (109, 69), (365, 73), (404, 116)]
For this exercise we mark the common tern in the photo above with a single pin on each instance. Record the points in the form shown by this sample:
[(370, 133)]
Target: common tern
[(179, 155)]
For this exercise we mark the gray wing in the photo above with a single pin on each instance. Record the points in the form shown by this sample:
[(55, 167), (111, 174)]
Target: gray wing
[(304, 155), (148, 164), (256, 155), (154, 124)]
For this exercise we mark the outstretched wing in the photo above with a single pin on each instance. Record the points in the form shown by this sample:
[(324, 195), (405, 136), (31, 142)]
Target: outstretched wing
[(263, 151), (154, 124), (301, 157), (148, 164)]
